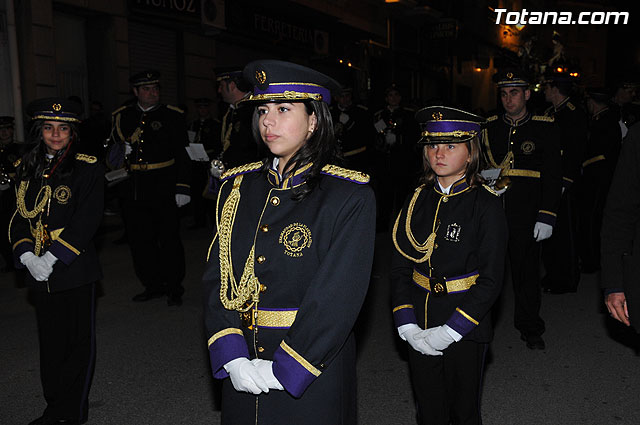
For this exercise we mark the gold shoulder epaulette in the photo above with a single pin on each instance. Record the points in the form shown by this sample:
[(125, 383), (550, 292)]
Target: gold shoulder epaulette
[(18, 162), (492, 118), (119, 109), (254, 166), (571, 106), (362, 107), (346, 174), (86, 158), (490, 190), (175, 108), (542, 118)]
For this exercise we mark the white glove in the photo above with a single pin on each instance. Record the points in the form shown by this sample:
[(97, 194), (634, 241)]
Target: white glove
[(438, 337), (127, 148), (413, 334), (500, 191), (182, 200), (245, 376), (265, 369), (344, 118), (542, 231), (38, 268)]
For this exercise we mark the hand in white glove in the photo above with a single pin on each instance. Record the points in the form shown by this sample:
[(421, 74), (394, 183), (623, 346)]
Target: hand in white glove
[(127, 149), (438, 337), (38, 269), (182, 200), (245, 376), (413, 334), (265, 369), (542, 231), (500, 191), (344, 118), (390, 138), (48, 260)]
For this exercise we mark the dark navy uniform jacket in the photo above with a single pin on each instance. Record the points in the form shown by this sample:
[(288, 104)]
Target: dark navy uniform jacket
[(72, 218), (572, 123), (313, 261), (356, 135), (470, 244), (535, 168), (158, 164), (603, 148), (239, 146)]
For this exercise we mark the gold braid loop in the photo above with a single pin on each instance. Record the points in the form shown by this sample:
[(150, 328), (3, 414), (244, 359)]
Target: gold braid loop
[(233, 295), (425, 248), (41, 200)]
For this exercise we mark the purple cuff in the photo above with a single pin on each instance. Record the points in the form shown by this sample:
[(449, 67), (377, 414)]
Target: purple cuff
[(18, 250), (404, 315), (225, 349), (547, 218), (461, 322), (183, 189), (293, 375), (65, 252)]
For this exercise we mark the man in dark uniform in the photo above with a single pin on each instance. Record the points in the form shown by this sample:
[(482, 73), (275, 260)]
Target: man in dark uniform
[(205, 130), (560, 252), (238, 145), (526, 149), (395, 163), (603, 148), (10, 152), (621, 236), (150, 140), (354, 133)]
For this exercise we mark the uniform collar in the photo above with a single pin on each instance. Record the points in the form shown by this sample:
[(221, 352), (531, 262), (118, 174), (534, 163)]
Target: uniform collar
[(294, 180), (153, 108), (456, 188), (518, 122), (561, 104)]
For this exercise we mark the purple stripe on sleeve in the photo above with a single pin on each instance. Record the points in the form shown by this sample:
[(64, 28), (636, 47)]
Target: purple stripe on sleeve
[(63, 253), (225, 349), (404, 317), (460, 324), (291, 374)]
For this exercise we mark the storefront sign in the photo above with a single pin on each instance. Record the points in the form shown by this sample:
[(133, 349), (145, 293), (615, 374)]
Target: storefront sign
[(168, 7)]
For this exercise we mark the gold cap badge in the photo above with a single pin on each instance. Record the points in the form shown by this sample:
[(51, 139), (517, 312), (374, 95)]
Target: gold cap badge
[(261, 76), (56, 107)]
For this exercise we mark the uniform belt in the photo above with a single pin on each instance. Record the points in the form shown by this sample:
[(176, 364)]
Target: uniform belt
[(514, 172), (270, 318), (53, 234), (152, 166), (443, 286), (355, 151)]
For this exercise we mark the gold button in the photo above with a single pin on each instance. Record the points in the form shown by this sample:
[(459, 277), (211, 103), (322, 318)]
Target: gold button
[(513, 132), (262, 259), (264, 228), (275, 201), (263, 288), (260, 349), (445, 199), (435, 246)]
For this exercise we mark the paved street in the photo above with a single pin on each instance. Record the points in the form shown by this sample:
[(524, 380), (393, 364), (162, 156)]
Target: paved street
[(152, 365)]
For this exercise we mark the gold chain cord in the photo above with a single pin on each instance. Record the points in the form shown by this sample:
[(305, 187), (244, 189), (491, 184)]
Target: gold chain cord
[(44, 194), (233, 295), (427, 247)]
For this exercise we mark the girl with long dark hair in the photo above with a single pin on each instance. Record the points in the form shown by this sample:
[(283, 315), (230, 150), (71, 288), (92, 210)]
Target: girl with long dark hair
[(289, 265), (59, 207)]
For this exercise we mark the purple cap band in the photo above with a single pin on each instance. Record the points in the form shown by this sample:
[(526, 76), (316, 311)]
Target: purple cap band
[(450, 126)]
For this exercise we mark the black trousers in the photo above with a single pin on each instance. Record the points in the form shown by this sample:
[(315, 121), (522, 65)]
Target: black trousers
[(154, 237), (524, 256), (560, 251), (447, 387), (66, 332)]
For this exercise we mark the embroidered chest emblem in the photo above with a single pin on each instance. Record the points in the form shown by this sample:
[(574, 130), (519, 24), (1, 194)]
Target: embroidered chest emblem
[(156, 125), (528, 147), (295, 237), (62, 194), (453, 232)]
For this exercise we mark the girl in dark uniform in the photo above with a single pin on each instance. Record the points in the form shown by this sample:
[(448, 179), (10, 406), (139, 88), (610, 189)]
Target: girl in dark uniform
[(447, 269), (59, 207), (289, 266)]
